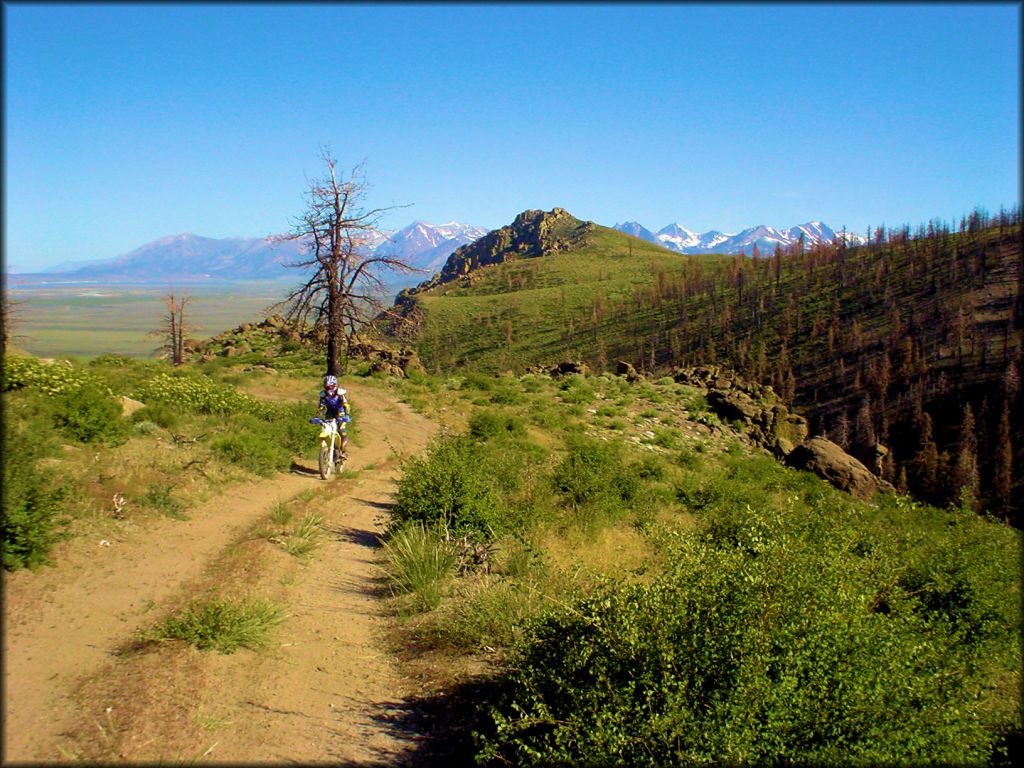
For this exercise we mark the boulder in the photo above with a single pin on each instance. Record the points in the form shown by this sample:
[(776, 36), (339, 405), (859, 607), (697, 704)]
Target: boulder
[(569, 368), (626, 369), (830, 462), (732, 405), (129, 406), (387, 368)]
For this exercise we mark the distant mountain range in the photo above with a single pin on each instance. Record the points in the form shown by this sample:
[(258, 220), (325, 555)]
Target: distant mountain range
[(681, 240), (190, 258)]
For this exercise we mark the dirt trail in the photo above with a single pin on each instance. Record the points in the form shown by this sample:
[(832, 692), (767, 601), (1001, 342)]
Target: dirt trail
[(325, 692)]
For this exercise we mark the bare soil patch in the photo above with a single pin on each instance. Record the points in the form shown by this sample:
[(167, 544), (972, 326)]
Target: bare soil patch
[(325, 690)]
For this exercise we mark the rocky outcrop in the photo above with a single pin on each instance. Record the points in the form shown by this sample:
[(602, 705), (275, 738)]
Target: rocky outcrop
[(265, 336), (568, 368), (532, 234), (830, 462), (764, 418), (628, 370), (396, 363)]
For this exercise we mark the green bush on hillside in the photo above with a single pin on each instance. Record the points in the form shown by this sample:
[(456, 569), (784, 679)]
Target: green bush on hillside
[(30, 519), (197, 393), (576, 389), (490, 423), (265, 444), (89, 415), (449, 486), (77, 402), (786, 644), (593, 474), (161, 415), (52, 379)]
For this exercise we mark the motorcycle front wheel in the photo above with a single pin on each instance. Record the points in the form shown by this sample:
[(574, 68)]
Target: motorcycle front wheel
[(326, 463)]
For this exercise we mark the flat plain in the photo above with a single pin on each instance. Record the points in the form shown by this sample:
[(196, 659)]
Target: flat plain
[(89, 319)]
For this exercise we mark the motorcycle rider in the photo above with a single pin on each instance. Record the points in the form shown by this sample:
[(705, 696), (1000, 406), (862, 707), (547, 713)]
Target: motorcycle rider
[(334, 403)]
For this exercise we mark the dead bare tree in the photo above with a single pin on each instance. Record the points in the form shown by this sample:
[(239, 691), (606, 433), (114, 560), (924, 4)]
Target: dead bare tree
[(11, 317), (345, 290), (174, 326)]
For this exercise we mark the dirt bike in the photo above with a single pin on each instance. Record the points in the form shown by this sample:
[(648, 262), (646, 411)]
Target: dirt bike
[(331, 456)]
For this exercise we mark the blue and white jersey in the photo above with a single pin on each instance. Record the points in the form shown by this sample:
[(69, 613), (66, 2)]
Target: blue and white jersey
[(335, 404)]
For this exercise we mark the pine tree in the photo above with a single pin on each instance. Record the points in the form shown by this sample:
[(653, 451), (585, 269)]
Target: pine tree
[(966, 482), (1002, 475), (926, 460)]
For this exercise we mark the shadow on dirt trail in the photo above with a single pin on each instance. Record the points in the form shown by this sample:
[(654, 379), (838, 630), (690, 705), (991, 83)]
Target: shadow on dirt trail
[(443, 724)]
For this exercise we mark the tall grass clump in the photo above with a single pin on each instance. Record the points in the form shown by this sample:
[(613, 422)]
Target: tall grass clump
[(223, 625), (808, 635), (418, 561), (305, 537)]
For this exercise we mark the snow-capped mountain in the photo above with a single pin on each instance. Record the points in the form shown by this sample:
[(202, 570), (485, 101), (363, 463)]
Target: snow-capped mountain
[(195, 259), (638, 230), (677, 238), (428, 246)]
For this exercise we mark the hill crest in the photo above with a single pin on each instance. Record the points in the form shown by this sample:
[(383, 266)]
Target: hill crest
[(533, 233)]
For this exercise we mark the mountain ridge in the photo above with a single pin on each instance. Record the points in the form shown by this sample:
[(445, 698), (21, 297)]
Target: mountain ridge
[(192, 258), (682, 240)]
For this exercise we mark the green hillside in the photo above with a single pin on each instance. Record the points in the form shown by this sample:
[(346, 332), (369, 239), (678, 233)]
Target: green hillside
[(901, 342), (526, 311)]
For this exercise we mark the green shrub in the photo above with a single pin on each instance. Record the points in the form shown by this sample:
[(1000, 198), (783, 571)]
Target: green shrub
[(89, 415), (531, 383), (30, 520), (479, 381), (197, 393), (252, 452), (49, 378), (773, 648), (650, 468), (666, 438), (112, 360), (449, 486), (505, 393), (576, 390), (489, 423), (592, 474), (548, 416), (306, 536), (146, 427), (162, 415), (490, 614), (159, 497)]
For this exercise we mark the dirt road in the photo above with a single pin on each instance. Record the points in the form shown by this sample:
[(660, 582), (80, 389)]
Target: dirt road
[(325, 691)]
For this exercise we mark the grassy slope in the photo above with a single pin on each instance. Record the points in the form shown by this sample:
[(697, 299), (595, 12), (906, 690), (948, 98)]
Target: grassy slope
[(929, 323), (518, 314)]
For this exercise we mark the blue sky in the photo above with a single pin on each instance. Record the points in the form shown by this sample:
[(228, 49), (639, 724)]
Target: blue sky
[(126, 123)]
